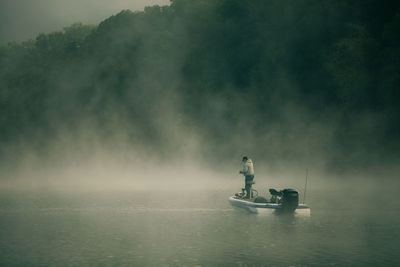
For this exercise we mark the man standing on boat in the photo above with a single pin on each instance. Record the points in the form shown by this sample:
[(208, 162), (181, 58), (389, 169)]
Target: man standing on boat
[(248, 172)]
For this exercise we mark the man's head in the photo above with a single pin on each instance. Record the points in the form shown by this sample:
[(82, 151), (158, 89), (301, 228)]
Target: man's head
[(245, 158)]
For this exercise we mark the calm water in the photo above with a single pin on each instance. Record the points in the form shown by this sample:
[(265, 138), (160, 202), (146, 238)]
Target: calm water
[(142, 229)]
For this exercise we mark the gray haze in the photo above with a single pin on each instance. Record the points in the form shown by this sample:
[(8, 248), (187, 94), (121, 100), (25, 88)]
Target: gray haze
[(24, 19), (129, 177)]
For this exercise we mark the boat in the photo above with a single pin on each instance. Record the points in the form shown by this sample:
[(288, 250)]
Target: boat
[(283, 201)]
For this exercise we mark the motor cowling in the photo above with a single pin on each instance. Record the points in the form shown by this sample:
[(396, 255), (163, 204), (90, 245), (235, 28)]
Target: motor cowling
[(290, 199)]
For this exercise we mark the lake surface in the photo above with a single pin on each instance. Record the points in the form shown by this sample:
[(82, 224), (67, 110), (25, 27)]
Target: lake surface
[(193, 228)]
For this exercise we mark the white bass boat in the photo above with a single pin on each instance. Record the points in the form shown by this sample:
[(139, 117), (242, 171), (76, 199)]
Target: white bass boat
[(284, 201)]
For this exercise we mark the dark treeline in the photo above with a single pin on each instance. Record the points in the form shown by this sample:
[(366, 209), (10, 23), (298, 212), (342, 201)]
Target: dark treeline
[(281, 80)]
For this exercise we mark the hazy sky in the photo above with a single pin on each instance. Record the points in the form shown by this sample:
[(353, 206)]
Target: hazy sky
[(25, 19)]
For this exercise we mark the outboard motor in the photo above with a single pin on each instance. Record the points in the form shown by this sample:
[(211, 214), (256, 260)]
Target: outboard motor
[(289, 199)]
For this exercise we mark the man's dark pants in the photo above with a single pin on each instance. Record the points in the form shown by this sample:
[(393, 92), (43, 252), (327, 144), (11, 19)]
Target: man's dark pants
[(248, 181)]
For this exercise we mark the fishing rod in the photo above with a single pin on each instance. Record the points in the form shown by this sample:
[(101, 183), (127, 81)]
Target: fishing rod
[(305, 187)]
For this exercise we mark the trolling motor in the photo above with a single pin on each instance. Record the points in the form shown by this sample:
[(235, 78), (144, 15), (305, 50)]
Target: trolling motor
[(289, 198)]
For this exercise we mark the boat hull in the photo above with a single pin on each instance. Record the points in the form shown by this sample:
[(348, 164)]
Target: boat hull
[(265, 207)]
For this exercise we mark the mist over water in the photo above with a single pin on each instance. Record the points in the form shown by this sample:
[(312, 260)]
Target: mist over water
[(121, 142), (194, 226), (178, 215)]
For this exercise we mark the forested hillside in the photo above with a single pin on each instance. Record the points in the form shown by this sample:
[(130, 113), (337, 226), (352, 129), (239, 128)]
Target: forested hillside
[(294, 80)]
